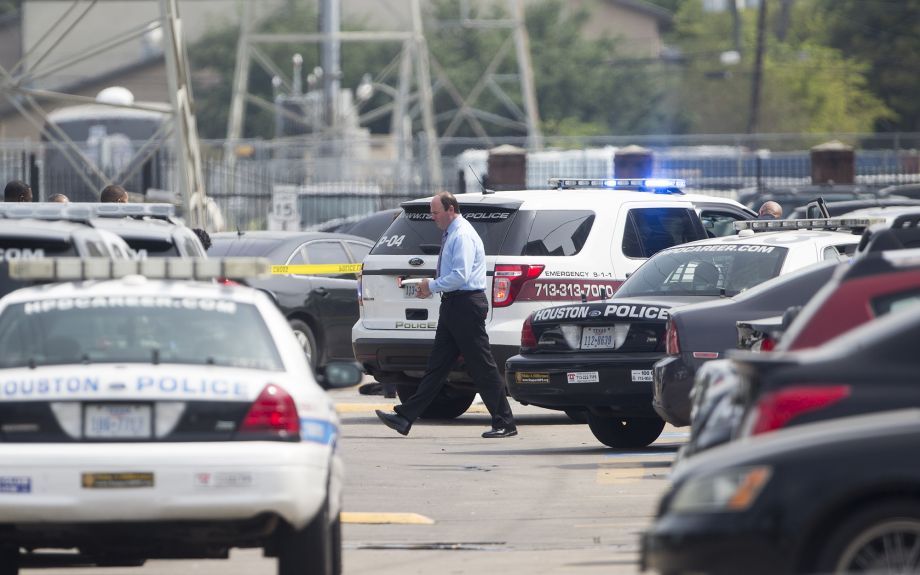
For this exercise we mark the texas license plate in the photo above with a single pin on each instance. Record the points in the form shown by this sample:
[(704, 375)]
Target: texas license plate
[(117, 421), (597, 338)]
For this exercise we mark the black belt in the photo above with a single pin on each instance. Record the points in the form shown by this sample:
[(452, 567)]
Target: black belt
[(460, 292)]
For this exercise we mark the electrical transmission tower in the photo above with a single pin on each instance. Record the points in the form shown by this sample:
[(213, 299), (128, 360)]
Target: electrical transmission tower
[(16, 85), (410, 71)]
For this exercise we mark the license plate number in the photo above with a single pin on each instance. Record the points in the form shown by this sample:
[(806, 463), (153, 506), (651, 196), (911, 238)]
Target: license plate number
[(409, 290), (597, 338), (117, 421)]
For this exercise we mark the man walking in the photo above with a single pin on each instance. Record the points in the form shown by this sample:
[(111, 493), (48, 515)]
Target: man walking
[(461, 281)]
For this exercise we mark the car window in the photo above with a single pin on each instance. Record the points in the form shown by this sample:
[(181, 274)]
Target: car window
[(719, 223), (153, 248), (358, 251), (145, 329), (413, 232), (96, 249), (555, 233), (327, 252), (704, 270), (19, 248), (895, 302), (832, 253), (650, 230)]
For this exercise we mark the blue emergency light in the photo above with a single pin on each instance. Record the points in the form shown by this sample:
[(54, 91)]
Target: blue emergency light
[(653, 185)]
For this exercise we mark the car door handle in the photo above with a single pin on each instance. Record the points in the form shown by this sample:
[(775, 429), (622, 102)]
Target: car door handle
[(321, 291)]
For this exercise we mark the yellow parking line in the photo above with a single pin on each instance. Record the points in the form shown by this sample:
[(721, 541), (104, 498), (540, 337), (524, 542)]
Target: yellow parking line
[(358, 407), (362, 407), (385, 518)]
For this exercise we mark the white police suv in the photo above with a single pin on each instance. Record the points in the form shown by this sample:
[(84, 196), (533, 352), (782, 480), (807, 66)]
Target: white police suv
[(576, 242), (162, 418)]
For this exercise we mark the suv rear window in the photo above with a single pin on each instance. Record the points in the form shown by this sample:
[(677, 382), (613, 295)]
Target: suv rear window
[(650, 230), (413, 232), (15, 248)]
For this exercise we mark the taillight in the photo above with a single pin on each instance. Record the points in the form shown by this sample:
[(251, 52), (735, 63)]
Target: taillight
[(508, 281), (273, 415), (671, 340), (228, 282), (765, 344), (360, 291), (528, 338), (775, 409)]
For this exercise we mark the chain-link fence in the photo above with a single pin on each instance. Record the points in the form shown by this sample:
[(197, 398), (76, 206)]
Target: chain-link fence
[(306, 183)]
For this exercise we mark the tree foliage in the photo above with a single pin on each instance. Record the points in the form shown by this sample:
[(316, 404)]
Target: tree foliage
[(806, 86), (884, 36)]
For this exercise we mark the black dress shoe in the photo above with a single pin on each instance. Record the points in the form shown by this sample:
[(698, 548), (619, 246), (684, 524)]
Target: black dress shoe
[(500, 432), (395, 421)]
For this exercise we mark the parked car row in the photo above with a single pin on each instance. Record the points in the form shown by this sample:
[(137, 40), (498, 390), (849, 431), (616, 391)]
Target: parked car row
[(814, 474)]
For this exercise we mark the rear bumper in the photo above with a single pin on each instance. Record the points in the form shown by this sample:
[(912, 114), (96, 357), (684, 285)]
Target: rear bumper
[(66, 483), (553, 381)]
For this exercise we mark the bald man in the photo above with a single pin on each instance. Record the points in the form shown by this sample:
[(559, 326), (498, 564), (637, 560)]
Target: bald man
[(770, 211)]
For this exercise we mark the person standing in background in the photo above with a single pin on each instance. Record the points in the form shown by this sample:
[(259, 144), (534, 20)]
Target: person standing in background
[(17, 191), (113, 193)]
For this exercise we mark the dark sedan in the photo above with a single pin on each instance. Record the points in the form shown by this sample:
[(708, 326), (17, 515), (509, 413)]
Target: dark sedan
[(702, 332), (841, 496), (320, 308)]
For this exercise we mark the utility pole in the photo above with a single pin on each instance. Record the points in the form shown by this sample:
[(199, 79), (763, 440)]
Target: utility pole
[(756, 81), (330, 50)]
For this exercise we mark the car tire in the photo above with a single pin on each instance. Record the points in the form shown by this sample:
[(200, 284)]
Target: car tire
[(449, 404), (869, 534), (307, 340), (314, 550), (577, 415), (625, 432)]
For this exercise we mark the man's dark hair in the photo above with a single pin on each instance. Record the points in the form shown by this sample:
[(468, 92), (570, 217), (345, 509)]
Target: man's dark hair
[(113, 193), (203, 236), (17, 191), (448, 200)]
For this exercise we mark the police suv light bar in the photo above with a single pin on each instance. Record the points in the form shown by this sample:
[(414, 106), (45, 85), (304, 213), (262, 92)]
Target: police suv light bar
[(75, 269), (641, 184), (86, 211), (806, 224)]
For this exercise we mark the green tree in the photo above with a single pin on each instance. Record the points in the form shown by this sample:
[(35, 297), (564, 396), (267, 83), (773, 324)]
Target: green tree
[(584, 86), (807, 86), (885, 38)]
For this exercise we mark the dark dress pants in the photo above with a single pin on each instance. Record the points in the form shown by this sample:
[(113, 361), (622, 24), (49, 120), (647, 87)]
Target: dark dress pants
[(462, 330)]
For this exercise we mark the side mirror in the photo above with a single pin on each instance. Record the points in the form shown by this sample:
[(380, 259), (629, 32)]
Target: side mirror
[(339, 374)]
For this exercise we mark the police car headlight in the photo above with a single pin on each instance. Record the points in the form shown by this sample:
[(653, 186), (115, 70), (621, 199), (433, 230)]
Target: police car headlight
[(730, 490)]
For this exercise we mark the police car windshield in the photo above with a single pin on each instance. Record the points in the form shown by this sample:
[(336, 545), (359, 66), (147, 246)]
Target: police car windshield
[(136, 329), (709, 270), (414, 233)]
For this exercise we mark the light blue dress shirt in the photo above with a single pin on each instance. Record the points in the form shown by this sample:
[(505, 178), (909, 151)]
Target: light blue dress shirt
[(463, 259)]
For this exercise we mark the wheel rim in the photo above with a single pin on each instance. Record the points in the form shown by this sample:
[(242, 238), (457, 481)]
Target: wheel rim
[(889, 547), (305, 344)]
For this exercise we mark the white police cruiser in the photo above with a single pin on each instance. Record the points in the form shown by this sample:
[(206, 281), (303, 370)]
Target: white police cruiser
[(579, 240), (162, 418)]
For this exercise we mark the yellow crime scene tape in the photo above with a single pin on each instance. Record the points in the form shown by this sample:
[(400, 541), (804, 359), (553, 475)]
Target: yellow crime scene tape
[(312, 269)]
